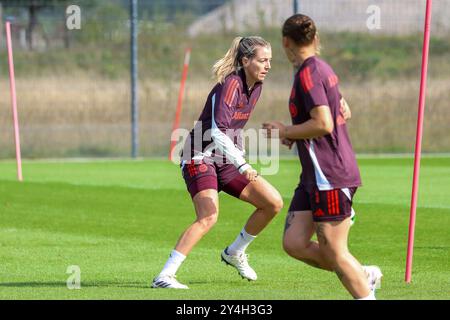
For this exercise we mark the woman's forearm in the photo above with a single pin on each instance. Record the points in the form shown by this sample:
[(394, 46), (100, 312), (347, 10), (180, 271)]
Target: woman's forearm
[(312, 128)]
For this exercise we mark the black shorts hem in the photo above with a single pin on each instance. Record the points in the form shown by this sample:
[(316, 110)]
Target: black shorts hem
[(332, 219)]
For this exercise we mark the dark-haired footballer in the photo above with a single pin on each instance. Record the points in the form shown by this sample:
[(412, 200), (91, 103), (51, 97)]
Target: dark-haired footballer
[(213, 159), (322, 202)]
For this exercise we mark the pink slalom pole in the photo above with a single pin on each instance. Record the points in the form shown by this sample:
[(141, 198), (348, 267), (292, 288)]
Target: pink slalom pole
[(176, 122), (12, 82), (418, 151)]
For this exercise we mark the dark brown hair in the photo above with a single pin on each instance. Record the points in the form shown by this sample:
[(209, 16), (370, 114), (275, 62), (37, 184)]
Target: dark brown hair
[(300, 28)]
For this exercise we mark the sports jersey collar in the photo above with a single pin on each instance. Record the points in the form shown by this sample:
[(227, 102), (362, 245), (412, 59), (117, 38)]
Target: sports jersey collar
[(241, 74), (304, 64), (309, 59)]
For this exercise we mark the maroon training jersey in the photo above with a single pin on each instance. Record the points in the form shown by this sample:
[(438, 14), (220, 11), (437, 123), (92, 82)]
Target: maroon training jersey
[(327, 162), (227, 108)]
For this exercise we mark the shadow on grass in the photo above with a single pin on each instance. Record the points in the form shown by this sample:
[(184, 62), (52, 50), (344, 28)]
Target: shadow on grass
[(104, 284), (89, 284)]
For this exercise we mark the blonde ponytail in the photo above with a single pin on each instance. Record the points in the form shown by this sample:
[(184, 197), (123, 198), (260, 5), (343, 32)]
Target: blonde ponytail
[(228, 64), (231, 62)]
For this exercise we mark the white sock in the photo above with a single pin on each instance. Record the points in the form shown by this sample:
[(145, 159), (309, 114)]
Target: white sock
[(173, 263), (371, 296), (241, 243)]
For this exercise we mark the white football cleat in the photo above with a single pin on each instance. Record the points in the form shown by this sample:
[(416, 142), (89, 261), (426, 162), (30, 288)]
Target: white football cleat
[(240, 262), (167, 281), (374, 276)]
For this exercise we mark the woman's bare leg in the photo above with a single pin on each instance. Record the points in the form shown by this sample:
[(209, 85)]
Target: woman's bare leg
[(333, 237), (298, 231)]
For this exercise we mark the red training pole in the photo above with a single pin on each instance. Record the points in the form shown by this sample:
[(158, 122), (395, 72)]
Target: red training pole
[(176, 122), (12, 82), (418, 151)]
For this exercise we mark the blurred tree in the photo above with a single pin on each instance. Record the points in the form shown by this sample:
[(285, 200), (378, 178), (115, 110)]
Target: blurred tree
[(33, 7), (173, 7), (103, 19), (105, 23)]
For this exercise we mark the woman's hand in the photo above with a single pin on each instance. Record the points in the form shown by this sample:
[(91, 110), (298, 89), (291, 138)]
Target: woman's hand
[(287, 142), (251, 174), (345, 109), (274, 125)]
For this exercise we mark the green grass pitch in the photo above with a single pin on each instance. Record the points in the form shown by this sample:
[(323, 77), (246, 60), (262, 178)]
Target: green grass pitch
[(118, 221)]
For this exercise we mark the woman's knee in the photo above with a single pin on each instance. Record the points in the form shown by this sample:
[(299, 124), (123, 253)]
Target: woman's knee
[(275, 204), (206, 208), (290, 248), (295, 247), (278, 204), (209, 221), (333, 254)]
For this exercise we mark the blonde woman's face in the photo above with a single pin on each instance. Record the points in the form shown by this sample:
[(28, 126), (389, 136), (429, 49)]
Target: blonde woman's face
[(257, 68)]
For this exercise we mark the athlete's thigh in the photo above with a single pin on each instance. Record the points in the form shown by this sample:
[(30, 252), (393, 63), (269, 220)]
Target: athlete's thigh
[(333, 235), (260, 193), (299, 224), (299, 227), (202, 184), (206, 203), (331, 214), (230, 180)]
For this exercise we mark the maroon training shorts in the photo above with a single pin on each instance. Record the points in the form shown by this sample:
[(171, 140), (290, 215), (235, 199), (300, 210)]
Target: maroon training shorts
[(329, 205), (202, 176)]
